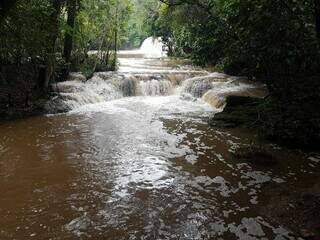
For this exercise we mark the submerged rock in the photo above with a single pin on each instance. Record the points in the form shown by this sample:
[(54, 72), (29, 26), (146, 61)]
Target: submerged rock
[(305, 233), (256, 155), (56, 105), (238, 101), (223, 122), (79, 225), (187, 97), (76, 76)]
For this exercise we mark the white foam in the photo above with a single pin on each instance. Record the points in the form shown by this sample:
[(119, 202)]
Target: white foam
[(153, 47)]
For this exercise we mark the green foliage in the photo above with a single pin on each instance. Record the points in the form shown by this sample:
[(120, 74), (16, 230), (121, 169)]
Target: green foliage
[(100, 27), (98, 21), (259, 38), (140, 24), (29, 28), (271, 41), (24, 32)]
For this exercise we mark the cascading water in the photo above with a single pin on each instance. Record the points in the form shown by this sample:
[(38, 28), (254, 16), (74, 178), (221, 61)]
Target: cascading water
[(155, 87), (153, 48), (73, 94), (148, 77), (216, 87), (198, 86)]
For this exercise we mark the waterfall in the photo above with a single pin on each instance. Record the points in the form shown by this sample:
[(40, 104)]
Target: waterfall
[(156, 88), (213, 88), (104, 87), (143, 76), (153, 48), (216, 87), (74, 94), (217, 96)]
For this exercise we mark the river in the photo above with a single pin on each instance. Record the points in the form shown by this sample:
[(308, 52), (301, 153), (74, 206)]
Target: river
[(134, 158)]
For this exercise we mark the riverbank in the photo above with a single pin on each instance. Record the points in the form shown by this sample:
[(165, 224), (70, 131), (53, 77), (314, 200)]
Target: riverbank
[(288, 124), (33, 104), (34, 108)]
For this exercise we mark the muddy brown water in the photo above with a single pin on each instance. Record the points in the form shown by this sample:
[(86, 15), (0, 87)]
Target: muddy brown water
[(143, 167)]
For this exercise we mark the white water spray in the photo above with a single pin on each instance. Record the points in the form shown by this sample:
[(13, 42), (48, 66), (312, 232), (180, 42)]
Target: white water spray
[(153, 48)]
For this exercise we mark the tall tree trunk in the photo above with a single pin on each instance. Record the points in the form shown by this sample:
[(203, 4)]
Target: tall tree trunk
[(68, 41), (5, 6), (317, 14), (51, 45), (116, 40), (115, 44)]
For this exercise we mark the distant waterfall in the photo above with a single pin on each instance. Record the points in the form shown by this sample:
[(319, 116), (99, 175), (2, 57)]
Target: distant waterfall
[(153, 48)]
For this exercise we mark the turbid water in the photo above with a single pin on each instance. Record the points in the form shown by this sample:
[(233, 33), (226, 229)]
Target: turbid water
[(134, 158)]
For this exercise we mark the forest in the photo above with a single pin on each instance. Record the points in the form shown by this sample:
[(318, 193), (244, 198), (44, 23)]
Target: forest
[(276, 42)]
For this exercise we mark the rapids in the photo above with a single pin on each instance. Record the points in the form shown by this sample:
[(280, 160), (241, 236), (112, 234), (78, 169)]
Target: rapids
[(143, 72), (131, 156)]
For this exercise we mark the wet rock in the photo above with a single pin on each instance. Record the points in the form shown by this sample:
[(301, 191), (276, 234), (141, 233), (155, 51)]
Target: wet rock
[(294, 120), (222, 122), (307, 234), (79, 225), (236, 101), (56, 105), (76, 76), (256, 155), (314, 159), (228, 120), (188, 97), (238, 111)]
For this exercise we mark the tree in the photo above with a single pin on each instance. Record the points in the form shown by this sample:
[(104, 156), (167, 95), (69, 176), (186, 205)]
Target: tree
[(52, 38), (141, 20), (261, 39), (68, 41)]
